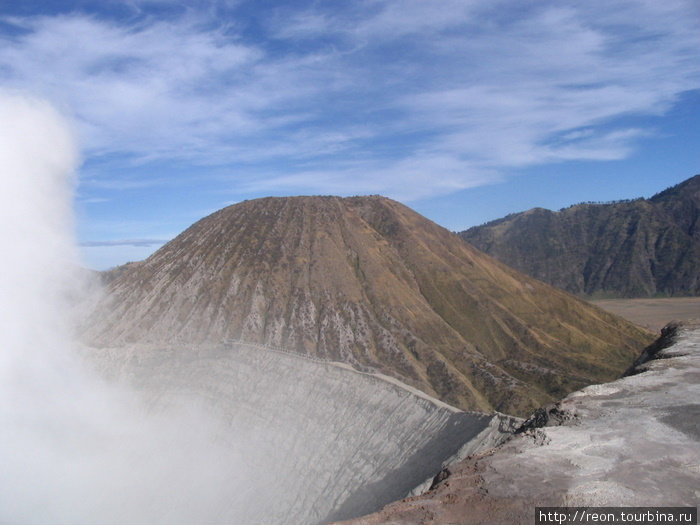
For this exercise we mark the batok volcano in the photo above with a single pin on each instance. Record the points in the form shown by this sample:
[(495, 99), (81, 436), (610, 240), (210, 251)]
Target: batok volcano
[(368, 282)]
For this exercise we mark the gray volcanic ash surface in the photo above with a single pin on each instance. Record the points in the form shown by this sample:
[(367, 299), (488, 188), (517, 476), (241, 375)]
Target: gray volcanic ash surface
[(316, 441)]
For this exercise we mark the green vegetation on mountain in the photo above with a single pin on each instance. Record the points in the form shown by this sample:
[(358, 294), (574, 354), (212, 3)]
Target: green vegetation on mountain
[(371, 283), (636, 248)]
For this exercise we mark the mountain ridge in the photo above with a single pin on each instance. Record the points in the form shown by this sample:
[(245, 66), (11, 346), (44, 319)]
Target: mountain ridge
[(632, 248)]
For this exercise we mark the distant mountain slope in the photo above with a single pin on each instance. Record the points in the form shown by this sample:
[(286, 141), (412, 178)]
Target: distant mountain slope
[(635, 248), (368, 282)]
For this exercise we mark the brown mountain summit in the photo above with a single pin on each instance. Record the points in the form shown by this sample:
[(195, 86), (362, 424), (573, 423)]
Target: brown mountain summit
[(369, 282)]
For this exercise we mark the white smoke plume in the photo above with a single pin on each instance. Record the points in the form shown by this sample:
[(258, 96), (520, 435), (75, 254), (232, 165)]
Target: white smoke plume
[(74, 449)]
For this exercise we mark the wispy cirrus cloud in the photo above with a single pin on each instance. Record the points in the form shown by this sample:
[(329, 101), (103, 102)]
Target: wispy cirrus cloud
[(147, 90), (125, 242), (368, 97)]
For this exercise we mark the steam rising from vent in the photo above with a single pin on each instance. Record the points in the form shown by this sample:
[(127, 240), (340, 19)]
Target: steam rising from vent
[(72, 448)]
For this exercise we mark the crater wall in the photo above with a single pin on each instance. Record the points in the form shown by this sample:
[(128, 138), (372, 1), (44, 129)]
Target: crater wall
[(320, 441)]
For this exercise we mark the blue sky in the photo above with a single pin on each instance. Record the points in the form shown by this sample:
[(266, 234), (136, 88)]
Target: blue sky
[(464, 110)]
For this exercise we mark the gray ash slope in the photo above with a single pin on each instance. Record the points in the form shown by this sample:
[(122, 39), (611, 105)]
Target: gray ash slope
[(635, 248), (368, 282), (313, 435)]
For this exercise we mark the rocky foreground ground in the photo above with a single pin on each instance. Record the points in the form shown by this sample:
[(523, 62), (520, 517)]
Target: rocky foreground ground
[(631, 442)]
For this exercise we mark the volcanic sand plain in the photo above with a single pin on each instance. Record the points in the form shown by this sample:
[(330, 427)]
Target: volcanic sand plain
[(653, 313)]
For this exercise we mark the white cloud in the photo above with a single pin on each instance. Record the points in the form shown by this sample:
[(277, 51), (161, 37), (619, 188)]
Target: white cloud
[(463, 90), (124, 242), (424, 174), (105, 257), (300, 25), (414, 18), (547, 76), (149, 90)]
